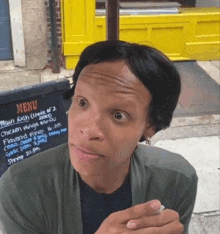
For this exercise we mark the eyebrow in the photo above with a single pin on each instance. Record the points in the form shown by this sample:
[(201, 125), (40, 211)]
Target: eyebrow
[(125, 104)]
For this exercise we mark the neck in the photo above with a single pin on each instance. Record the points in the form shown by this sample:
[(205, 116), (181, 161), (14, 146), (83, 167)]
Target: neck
[(107, 182)]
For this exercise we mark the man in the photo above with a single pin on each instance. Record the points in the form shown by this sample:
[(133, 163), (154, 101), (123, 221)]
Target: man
[(103, 181)]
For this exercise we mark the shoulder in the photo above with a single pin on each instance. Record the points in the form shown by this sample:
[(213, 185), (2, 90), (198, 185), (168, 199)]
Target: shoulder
[(40, 167), (160, 159), (49, 159), (32, 190)]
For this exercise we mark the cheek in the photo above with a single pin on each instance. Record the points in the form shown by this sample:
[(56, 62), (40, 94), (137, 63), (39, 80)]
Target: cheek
[(133, 133), (127, 140), (73, 122)]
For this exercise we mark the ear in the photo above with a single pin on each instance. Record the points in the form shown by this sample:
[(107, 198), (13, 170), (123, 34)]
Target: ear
[(149, 131)]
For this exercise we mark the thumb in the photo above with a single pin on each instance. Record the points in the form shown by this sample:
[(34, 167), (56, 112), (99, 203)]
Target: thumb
[(153, 208), (138, 211), (149, 208), (155, 205), (146, 209)]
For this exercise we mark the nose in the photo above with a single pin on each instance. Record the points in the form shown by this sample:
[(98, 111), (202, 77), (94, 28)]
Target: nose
[(92, 128)]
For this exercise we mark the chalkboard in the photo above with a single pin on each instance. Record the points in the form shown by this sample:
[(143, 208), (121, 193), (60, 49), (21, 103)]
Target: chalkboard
[(32, 119)]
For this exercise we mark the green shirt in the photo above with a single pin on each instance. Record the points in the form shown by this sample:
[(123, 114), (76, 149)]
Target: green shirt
[(41, 195)]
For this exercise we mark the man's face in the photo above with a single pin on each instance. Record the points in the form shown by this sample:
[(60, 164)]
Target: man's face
[(107, 118)]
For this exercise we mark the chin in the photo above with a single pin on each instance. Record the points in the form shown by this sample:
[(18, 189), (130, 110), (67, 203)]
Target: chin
[(83, 168)]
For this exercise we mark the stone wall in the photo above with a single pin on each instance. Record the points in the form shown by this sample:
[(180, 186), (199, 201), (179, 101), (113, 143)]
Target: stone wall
[(35, 33)]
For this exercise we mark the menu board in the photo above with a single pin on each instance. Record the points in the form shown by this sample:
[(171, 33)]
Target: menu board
[(32, 120)]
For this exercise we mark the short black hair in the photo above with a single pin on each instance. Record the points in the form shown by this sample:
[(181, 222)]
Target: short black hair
[(149, 65)]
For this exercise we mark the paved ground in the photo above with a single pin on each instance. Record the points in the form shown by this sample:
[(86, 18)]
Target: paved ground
[(200, 92), (194, 131), (197, 139)]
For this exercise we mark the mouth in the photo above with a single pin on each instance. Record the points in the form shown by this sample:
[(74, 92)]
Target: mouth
[(85, 153)]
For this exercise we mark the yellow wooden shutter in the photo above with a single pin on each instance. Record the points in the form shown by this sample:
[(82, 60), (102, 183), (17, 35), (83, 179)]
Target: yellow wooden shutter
[(192, 34)]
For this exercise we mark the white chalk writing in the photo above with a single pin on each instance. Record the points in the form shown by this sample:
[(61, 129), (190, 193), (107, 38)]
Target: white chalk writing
[(5, 123), (10, 131), (23, 118), (37, 114), (14, 160), (29, 126), (32, 133), (15, 139)]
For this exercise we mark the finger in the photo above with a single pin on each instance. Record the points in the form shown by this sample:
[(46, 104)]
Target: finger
[(165, 217), (171, 228), (145, 209)]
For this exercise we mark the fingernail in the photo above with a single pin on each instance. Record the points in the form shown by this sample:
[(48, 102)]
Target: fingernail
[(155, 205), (131, 224), (161, 208)]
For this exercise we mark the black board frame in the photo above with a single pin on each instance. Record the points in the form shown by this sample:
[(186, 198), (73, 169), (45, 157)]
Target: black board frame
[(48, 97)]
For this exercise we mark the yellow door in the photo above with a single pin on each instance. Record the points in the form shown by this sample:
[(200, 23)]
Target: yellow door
[(192, 34)]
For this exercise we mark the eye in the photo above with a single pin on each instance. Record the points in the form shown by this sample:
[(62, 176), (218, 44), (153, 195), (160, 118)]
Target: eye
[(81, 102), (120, 115)]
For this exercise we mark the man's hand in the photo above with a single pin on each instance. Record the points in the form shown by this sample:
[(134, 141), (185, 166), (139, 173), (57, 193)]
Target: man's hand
[(144, 218)]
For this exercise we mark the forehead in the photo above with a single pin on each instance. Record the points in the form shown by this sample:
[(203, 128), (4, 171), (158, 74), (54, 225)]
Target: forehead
[(112, 80), (116, 74), (117, 71)]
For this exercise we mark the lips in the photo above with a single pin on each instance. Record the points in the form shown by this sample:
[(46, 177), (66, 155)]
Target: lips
[(86, 154)]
